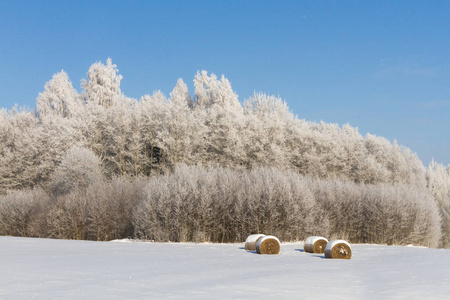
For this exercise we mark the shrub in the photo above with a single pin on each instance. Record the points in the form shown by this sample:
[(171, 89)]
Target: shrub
[(220, 205), (22, 213)]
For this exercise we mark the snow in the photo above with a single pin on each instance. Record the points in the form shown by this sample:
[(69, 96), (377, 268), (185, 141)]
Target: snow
[(253, 238), (331, 244), (313, 239), (267, 237), (61, 269)]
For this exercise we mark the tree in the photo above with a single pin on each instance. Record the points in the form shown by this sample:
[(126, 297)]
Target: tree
[(19, 148), (103, 84), (180, 95), (59, 97), (150, 113), (180, 125), (78, 169), (218, 108), (119, 138), (273, 119), (438, 183)]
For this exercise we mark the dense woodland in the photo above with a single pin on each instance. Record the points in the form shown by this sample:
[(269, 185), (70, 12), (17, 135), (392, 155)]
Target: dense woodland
[(100, 165)]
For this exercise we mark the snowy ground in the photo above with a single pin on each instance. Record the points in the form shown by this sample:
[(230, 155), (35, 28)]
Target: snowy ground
[(58, 269)]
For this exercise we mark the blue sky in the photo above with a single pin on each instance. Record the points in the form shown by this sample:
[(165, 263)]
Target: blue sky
[(381, 66)]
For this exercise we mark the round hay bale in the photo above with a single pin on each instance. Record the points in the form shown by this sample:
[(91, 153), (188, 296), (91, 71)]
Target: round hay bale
[(338, 249), (315, 244), (318, 244), (250, 242), (268, 245)]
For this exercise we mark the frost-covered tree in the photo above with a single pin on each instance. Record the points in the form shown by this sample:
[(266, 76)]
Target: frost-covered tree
[(205, 88), (180, 124), (32, 147), (118, 142), (438, 183), (78, 169), (19, 148), (210, 91), (270, 135), (180, 95), (150, 113), (103, 84), (377, 156), (218, 108), (59, 97)]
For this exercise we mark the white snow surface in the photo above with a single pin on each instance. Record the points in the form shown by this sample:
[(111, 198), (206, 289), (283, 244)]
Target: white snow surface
[(61, 269)]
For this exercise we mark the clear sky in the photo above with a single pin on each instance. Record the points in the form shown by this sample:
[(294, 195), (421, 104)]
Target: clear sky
[(381, 66)]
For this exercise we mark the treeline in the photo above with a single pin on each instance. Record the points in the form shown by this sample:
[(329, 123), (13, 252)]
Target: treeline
[(152, 135), (195, 204)]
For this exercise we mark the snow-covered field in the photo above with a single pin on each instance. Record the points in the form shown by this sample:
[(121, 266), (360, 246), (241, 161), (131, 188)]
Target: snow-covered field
[(60, 269)]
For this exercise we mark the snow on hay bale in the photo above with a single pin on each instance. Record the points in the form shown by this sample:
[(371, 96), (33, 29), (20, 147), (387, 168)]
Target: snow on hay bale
[(338, 249), (306, 244), (252, 240), (315, 244), (268, 245)]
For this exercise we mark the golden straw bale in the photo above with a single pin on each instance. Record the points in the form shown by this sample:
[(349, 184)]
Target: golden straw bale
[(252, 240), (268, 245), (338, 249), (315, 244), (318, 245)]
